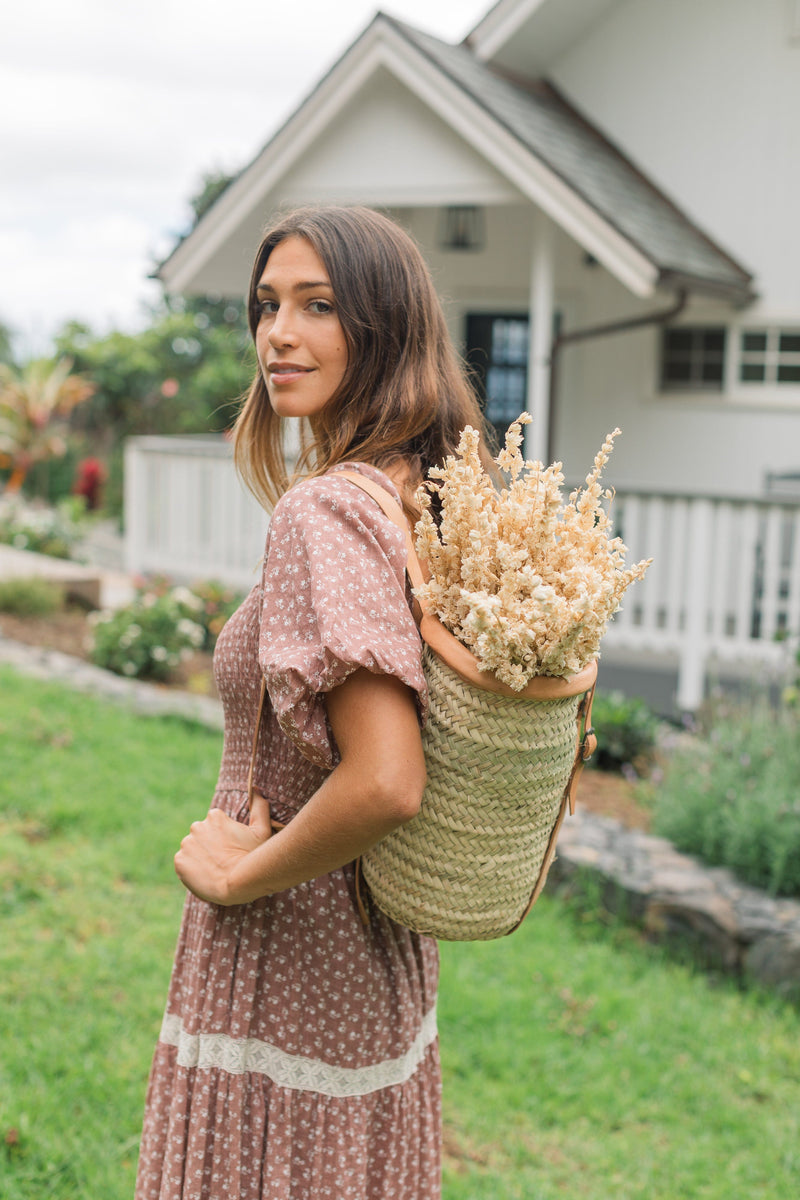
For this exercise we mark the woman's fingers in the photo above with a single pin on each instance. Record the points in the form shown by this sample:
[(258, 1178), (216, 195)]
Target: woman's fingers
[(213, 848), (260, 819)]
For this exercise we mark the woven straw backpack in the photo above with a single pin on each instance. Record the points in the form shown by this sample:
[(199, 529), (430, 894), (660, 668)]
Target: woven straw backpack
[(502, 769)]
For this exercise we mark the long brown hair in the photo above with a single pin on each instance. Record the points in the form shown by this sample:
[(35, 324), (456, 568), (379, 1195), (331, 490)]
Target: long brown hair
[(404, 394)]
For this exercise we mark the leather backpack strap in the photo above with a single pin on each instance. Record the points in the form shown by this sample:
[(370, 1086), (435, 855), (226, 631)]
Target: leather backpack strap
[(395, 514), (254, 748), (585, 748), (273, 824)]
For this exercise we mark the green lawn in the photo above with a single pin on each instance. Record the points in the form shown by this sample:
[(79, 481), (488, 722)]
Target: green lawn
[(577, 1062)]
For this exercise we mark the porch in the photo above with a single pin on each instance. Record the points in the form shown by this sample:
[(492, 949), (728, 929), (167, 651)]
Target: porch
[(722, 595)]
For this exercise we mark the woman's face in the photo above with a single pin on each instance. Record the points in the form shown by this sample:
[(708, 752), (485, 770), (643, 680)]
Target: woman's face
[(300, 342)]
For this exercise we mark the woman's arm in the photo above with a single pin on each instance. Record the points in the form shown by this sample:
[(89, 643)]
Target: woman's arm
[(377, 786)]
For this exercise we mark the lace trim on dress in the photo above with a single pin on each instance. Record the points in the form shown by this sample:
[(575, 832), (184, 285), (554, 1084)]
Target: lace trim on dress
[(237, 1056)]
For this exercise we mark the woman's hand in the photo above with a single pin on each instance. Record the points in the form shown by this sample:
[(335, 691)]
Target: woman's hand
[(214, 847), (376, 786)]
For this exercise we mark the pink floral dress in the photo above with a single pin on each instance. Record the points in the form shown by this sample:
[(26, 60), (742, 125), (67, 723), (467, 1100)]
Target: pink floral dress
[(298, 1056)]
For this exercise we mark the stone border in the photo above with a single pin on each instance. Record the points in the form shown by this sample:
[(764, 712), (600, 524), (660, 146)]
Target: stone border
[(729, 925), (148, 698)]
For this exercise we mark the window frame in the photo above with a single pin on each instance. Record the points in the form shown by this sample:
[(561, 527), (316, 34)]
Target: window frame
[(770, 389), (772, 357)]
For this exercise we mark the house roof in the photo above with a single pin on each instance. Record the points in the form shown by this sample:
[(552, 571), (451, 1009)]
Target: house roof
[(551, 152), (529, 34), (548, 125)]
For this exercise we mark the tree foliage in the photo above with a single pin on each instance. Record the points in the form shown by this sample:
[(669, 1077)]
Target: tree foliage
[(6, 344), (184, 373), (35, 405)]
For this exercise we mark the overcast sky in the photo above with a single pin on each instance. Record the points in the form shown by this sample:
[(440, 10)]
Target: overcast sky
[(111, 111)]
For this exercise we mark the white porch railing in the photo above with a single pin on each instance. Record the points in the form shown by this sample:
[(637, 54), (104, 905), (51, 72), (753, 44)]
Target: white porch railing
[(186, 513), (724, 585)]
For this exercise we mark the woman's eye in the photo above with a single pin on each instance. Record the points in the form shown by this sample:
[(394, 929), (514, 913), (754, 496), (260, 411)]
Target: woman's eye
[(321, 306), (268, 308)]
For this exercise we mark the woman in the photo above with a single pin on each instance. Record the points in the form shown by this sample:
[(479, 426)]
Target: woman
[(298, 1056)]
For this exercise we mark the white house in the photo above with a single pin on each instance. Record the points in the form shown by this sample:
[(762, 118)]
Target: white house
[(607, 192)]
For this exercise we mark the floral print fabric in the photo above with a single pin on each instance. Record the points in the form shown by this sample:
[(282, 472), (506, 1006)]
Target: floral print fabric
[(328, 610), (298, 1057)]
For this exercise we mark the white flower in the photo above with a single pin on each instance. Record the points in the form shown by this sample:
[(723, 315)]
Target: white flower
[(188, 599), (159, 653), (523, 579), (129, 668), (194, 633)]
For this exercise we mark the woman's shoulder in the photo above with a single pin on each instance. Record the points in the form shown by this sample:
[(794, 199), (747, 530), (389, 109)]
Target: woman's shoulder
[(334, 494), (328, 512)]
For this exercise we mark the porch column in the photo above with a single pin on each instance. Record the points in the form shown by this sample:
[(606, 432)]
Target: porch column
[(540, 309), (694, 649)]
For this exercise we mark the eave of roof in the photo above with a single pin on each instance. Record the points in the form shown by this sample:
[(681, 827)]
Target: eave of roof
[(498, 13), (594, 168), (543, 27)]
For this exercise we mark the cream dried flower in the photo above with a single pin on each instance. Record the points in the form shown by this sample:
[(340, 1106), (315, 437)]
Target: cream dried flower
[(526, 581)]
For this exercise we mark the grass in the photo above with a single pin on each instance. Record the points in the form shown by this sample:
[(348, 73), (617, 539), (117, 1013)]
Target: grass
[(577, 1061), (93, 801)]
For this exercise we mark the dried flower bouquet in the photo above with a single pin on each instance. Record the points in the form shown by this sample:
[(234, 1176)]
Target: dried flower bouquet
[(526, 581)]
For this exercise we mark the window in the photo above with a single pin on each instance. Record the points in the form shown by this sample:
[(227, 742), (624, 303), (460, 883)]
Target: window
[(769, 356), (693, 358), (707, 358), (497, 351)]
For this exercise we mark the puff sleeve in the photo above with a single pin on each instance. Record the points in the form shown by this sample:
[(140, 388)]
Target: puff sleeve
[(334, 600)]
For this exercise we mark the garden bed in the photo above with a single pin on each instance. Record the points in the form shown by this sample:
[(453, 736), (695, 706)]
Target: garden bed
[(69, 632)]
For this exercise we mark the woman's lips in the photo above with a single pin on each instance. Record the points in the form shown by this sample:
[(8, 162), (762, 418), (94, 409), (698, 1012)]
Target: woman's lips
[(281, 373)]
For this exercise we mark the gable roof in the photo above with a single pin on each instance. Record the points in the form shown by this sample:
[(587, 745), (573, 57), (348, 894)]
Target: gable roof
[(528, 131)]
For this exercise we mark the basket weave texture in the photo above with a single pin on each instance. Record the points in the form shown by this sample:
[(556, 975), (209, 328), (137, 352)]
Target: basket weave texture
[(465, 867)]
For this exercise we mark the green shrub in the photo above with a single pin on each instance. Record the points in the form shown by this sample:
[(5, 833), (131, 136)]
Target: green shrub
[(30, 596), (626, 732), (217, 604), (148, 638), (733, 798), (791, 693), (163, 625), (208, 603), (54, 531)]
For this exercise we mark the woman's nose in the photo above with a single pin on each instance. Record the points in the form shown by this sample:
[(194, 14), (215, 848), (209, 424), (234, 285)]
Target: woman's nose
[(282, 330)]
